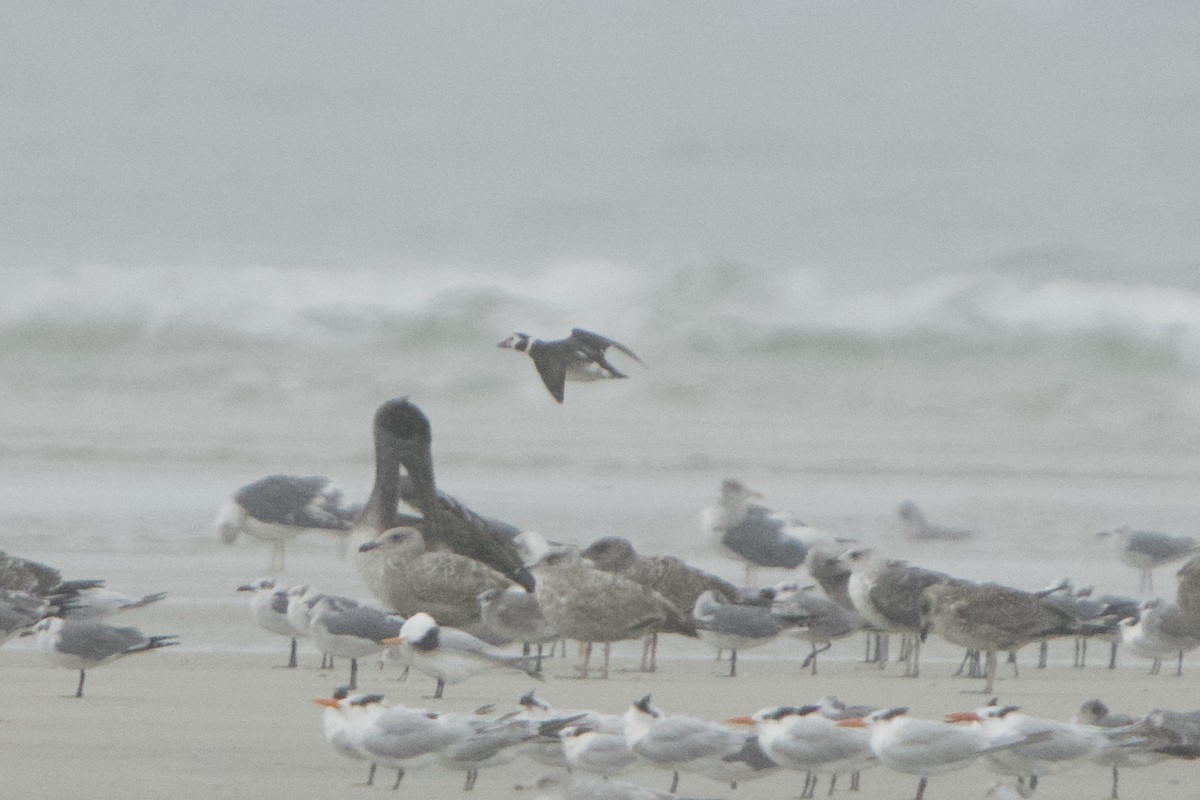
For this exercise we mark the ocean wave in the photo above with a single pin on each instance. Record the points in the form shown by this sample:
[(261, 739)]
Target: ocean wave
[(715, 309)]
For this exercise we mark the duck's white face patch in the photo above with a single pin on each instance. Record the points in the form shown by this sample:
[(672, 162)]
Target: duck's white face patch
[(518, 341)]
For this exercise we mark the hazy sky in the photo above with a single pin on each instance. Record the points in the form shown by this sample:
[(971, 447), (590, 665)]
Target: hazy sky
[(864, 138)]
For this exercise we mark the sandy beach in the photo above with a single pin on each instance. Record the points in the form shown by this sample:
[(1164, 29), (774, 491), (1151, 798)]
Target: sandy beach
[(217, 718)]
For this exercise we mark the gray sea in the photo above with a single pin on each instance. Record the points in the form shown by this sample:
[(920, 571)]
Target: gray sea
[(869, 253)]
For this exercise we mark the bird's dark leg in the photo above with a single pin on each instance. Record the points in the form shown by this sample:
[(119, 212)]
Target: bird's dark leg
[(607, 654), (990, 671), (399, 777), (921, 788), (587, 656), (441, 686), (854, 780), (469, 783), (1012, 659), (79, 689), (538, 665), (371, 775), (1114, 791), (1179, 666), (353, 673), (733, 663), (1083, 643), (832, 783), (1033, 782), (292, 654), (674, 782), (1044, 652)]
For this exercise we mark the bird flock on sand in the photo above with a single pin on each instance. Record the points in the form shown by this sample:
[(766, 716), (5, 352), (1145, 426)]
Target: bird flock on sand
[(455, 593)]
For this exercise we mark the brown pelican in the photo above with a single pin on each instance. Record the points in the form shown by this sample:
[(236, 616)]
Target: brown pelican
[(403, 439)]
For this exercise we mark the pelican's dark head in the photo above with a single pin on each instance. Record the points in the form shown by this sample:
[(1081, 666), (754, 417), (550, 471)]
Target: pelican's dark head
[(403, 420)]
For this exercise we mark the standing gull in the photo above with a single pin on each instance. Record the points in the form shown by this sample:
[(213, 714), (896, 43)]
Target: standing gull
[(725, 626), (1160, 631), (888, 595), (83, 645), (278, 508), (671, 577), (1187, 593), (1148, 550), (403, 438), (918, 528), (590, 605), (1095, 713), (754, 534), (269, 608), (579, 358), (991, 618), (513, 614), (350, 630), (408, 577), (817, 620)]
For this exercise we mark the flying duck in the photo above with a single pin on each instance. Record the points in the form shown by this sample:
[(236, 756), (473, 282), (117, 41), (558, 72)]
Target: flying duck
[(579, 358)]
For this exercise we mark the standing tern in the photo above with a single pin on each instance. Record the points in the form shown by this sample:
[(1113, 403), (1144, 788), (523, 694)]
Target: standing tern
[(803, 739), (450, 655), (679, 743), (923, 747)]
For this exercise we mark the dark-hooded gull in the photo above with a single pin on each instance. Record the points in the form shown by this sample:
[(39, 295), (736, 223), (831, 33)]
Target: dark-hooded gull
[(278, 508), (579, 358), (83, 645)]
